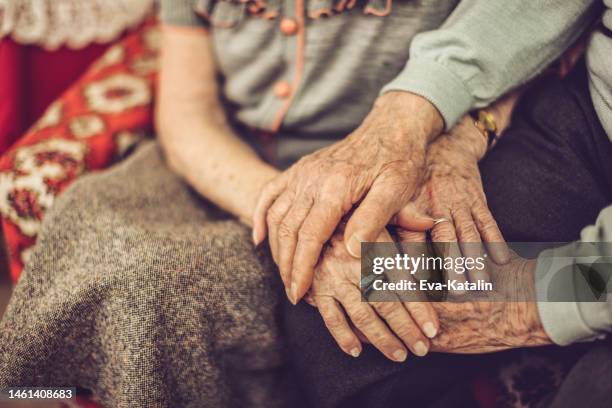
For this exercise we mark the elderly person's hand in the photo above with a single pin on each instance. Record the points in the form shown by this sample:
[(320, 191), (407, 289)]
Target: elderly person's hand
[(487, 326), (389, 326), (452, 190), (452, 193), (378, 167), (506, 318), (484, 327)]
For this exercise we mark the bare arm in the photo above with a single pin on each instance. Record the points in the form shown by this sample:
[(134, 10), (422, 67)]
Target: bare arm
[(194, 131)]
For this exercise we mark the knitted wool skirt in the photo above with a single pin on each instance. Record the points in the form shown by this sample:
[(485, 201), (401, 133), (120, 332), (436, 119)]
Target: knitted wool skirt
[(142, 292)]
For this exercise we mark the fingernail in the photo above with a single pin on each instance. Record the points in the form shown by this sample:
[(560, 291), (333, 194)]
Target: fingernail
[(294, 293), (354, 246), (420, 349), (430, 330), (355, 352), (400, 355), (254, 237)]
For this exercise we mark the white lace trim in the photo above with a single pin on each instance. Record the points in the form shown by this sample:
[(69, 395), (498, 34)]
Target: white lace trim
[(74, 23)]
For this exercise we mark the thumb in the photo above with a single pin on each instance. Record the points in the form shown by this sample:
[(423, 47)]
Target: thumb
[(411, 219), (371, 217)]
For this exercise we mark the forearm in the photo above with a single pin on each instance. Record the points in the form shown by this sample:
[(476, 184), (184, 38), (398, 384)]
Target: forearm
[(214, 161)]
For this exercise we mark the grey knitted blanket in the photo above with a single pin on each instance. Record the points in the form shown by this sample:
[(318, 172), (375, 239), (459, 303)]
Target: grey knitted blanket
[(141, 292)]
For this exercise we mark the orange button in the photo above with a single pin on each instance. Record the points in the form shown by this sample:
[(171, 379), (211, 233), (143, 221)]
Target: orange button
[(288, 26), (282, 89)]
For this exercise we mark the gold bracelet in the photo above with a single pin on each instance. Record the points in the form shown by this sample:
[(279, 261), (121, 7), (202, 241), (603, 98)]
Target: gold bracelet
[(485, 123)]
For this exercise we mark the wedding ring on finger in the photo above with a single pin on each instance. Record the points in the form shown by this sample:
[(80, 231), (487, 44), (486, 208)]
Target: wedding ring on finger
[(440, 220)]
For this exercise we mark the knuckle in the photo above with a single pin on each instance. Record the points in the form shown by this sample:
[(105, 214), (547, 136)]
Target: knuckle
[(481, 211), (460, 211), (286, 229), (338, 205), (334, 321), (466, 225), (306, 235), (419, 310), (271, 188), (268, 190), (335, 181), (341, 285), (273, 216), (361, 318), (408, 332), (481, 222), (384, 340), (443, 235), (396, 169), (305, 201), (490, 226), (386, 308), (487, 225), (470, 234)]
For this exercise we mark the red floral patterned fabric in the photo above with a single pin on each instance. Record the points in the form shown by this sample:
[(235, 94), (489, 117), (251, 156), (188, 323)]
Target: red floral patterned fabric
[(25, 88), (95, 122)]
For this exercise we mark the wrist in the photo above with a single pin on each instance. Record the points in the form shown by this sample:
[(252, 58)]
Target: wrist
[(535, 328), (446, 154), (524, 327), (522, 317), (260, 174), (467, 138), (421, 118), (236, 187)]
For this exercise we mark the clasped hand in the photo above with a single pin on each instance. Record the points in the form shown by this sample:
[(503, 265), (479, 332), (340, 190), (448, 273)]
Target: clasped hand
[(385, 172), (378, 167)]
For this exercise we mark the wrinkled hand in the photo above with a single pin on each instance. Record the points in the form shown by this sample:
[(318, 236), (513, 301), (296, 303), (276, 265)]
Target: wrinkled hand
[(504, 319), (378, 167), (452, 190), (484, 327), (389, 326), (487, 326)]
